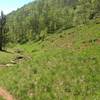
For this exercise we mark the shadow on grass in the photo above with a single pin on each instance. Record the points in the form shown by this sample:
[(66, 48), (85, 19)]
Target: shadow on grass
[(6, 51)]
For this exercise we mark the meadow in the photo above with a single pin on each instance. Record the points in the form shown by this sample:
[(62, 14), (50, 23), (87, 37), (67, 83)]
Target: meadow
[(65, 66)]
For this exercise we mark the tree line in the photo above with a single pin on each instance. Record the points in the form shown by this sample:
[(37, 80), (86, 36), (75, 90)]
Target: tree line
[(42, 17)]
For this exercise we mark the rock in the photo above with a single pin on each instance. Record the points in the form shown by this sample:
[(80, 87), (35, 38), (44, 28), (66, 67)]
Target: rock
[(19, 51), (19, 57), (9, 65), (13, 62)]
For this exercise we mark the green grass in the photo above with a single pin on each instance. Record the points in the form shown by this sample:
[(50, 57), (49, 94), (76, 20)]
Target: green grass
[(66, 66), (1, 98), (5, 57)]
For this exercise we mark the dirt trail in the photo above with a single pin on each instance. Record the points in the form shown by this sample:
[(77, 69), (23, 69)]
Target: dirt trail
[(4, 94), (6, 65), (1, 65)]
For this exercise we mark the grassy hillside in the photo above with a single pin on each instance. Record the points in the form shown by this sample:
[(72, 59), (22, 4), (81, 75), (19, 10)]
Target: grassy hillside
[(65, 66)]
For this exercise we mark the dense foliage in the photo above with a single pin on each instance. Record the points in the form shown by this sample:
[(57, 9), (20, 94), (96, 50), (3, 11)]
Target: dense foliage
[(3, 36), (42, 17)]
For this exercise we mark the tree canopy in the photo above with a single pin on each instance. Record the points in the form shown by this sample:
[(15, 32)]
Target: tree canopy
[(41, 17)]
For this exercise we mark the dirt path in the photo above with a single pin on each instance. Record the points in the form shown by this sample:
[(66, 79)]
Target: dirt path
[(1, 65), (4, 94), (6, 65)]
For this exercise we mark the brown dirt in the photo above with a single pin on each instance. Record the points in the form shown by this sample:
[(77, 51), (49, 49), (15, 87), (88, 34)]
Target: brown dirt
[(6, 95), (1, 65), (98, 41)]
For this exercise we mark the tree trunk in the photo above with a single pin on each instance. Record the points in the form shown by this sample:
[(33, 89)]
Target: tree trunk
[(0, 48), (0, 39)]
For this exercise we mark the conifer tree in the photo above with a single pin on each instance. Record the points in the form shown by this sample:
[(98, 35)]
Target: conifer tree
[(2, 30)]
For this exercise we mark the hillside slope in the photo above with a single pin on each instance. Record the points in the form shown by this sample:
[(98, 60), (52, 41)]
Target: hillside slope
[(36, 20), (65, 66)]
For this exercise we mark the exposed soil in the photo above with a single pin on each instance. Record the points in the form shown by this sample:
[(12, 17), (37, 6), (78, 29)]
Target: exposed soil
[(5, 94), (6, 65)]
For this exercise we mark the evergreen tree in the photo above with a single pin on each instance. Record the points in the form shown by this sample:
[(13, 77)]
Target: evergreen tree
[(2, 30)]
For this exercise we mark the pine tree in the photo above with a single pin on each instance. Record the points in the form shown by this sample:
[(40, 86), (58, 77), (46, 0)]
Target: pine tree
[(2, 30)]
